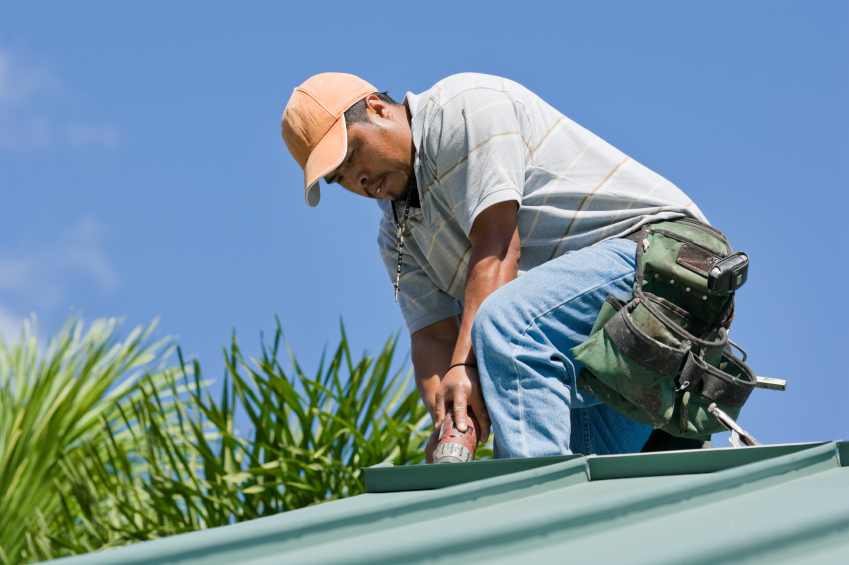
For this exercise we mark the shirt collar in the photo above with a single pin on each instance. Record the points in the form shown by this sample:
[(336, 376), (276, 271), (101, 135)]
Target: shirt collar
[(415, 103)]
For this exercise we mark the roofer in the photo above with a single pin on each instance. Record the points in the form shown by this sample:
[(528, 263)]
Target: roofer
[(505, 226)]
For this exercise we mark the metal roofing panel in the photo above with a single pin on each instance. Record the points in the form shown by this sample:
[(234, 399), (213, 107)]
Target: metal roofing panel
[(770, 503), (423, 477)]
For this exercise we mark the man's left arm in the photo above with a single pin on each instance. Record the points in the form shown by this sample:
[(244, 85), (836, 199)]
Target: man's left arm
[(494, 261)]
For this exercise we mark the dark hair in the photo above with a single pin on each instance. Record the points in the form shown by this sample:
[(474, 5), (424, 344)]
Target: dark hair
[(358, 112)]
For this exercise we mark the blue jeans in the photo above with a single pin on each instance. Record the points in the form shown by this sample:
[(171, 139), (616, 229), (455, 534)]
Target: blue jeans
[(523, 334)]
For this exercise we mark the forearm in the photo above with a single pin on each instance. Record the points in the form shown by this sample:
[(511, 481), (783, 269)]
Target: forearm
[(487, 272), (493, 262), (431, 355)]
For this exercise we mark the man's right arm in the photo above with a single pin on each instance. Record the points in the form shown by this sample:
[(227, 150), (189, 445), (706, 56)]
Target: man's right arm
[(431, 348)]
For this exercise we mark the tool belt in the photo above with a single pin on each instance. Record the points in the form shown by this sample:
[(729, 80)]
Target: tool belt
[(664, 357)]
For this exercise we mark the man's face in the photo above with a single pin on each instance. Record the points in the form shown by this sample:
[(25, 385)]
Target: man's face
[(379, 161)]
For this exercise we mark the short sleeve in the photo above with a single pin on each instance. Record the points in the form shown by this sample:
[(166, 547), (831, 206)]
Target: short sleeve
[(422, 302), (482, 155)]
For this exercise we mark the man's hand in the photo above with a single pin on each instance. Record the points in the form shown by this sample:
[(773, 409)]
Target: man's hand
[(494, 261), (459, 390), (431, 349)]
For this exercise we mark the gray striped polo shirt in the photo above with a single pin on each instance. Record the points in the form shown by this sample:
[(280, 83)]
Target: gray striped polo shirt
[(483, 139)]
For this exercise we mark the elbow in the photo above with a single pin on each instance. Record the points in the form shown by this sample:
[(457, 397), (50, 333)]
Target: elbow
[(443, 333)]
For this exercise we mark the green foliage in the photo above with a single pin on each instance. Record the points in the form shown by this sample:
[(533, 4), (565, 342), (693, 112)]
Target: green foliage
[(172, 458), (53, 406)]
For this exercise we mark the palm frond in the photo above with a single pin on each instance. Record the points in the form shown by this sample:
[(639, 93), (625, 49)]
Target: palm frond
[(190, 465), (54, 401)]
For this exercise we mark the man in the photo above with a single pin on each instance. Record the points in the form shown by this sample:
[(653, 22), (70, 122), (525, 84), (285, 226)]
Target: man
[(488, 182)]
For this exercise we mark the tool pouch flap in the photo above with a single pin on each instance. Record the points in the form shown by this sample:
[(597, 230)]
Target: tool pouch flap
[(674, 262), (730, 387)]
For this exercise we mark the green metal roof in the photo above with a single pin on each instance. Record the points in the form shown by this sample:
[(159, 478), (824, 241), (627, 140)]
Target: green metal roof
[(776, 503)]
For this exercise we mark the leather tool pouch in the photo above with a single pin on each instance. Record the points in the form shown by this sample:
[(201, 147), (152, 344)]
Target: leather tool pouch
[(664, 357)]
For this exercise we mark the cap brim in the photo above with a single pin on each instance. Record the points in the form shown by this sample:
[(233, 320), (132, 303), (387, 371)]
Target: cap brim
[(327, 155)]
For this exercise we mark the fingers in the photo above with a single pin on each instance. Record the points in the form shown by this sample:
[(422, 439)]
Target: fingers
[(439, 409), (459, 391), (460, 410)]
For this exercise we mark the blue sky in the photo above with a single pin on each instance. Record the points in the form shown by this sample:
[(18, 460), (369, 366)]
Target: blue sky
[(142, 172)]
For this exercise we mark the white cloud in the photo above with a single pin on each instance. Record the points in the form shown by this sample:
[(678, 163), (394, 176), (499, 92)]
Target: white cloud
[(10, 325), (80, 135), (5, 83), (25, 132), (20, 82), (40, 277), (82, 251), (15, 272), (23, 127)]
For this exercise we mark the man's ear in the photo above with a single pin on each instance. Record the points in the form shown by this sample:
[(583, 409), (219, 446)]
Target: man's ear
[(378, 106)]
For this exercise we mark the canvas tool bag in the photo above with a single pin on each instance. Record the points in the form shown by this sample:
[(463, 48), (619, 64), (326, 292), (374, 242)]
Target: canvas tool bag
[(664, 357)]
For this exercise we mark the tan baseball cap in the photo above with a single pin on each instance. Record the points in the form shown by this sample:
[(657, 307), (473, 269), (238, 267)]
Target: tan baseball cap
[(313, 125)]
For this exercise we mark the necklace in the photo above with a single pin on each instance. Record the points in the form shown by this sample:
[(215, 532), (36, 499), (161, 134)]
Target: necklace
[(402, 227)]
